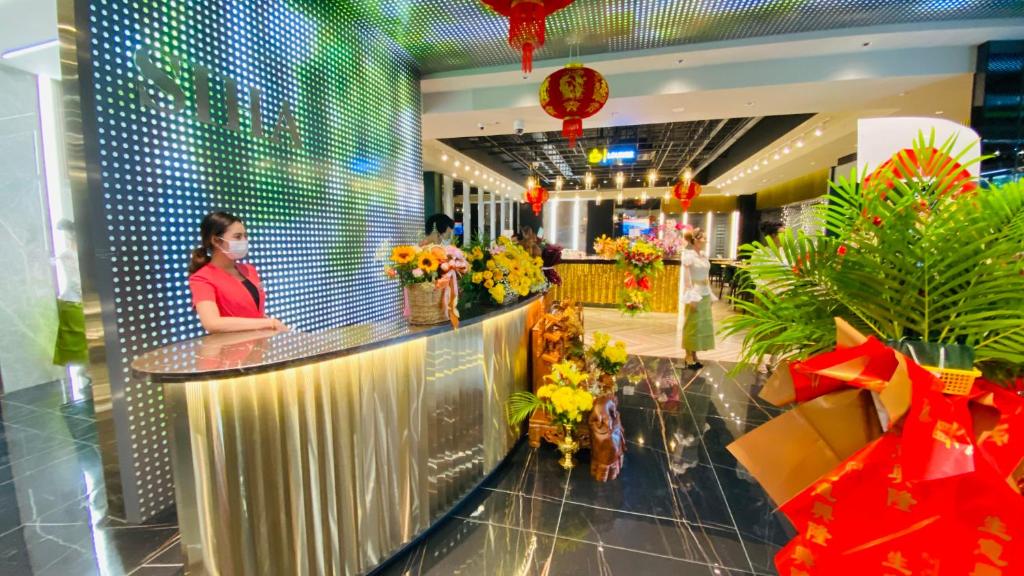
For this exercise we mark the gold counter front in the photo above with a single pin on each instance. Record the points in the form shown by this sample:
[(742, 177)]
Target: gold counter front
[(599, 283), (330, 467)]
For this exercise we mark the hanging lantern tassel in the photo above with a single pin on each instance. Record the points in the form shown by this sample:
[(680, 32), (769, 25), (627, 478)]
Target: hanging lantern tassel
[(572, 128), (526, 24), (526, 29), (572, 94)]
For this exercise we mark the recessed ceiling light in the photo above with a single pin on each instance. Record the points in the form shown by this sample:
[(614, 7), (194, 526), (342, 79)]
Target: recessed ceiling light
[(786, 150), (679, 109), (799, 143), (764, 162), (939, 112), (903, 93), (776, 157), (457, 163), (818, 132), (444, 157), (814, 163), (757, 167), (764, 179)]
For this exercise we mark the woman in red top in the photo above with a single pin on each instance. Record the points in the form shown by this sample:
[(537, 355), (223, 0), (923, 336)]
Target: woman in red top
[(226, 293)]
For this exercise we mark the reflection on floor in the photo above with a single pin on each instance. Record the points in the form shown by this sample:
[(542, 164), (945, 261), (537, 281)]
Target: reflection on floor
[(681, 505), (53, 502), (654, 334)]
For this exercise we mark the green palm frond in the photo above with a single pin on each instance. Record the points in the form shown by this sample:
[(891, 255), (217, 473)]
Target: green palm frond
[(911, 253), (520, 406)]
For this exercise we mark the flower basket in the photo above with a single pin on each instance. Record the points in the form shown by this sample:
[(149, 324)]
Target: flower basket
[(426, 304)]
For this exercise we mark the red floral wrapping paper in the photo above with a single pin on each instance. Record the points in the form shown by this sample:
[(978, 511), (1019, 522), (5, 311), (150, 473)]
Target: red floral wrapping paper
[(934, 495)]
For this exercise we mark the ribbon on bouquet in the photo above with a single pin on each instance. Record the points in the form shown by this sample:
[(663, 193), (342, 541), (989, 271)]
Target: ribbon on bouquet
[(449, 284)]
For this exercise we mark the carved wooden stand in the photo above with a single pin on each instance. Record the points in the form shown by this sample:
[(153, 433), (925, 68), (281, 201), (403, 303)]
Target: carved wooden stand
[(552, 338)]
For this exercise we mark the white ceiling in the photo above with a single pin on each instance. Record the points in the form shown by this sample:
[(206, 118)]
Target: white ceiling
[(25, 23)]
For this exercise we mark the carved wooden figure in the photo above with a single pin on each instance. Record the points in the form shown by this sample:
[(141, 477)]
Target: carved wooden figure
[(607, 441)]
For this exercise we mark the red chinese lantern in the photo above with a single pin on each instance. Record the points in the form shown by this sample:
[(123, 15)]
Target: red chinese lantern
[(536, 197), (685, 191), (572, 94), (526, 23)]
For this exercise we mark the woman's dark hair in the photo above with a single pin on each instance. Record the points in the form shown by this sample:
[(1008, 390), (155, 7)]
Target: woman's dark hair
[(440, 222), (213, 225), (771, 228)]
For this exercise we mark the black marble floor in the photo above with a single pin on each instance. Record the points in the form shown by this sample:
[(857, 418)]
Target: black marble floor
[(53, 504), (681, 505)]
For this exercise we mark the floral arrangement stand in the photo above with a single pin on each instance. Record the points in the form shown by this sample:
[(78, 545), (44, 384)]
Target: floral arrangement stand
[(640, 260), (554, 337)]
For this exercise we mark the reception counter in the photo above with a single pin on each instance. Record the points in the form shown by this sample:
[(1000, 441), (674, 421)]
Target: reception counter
[(598, 282), (324, 453)]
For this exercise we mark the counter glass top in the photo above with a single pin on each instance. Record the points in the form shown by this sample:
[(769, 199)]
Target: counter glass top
[(219, 355)]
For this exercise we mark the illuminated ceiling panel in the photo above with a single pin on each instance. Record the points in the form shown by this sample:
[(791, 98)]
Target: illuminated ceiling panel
[(461, 34)]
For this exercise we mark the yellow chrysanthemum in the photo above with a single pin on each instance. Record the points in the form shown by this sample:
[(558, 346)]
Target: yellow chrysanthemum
[(478, 277), (490, 264), (427, 262), (488, 275), (403, 254), (498, 293), (546, 390), (615, 354), (488, 284), (498, 276)]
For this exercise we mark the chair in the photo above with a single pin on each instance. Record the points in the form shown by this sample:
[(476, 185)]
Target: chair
[(728, 274), (715, 273)]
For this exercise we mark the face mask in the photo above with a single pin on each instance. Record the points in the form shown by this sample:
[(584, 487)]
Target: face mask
[(237, 249)]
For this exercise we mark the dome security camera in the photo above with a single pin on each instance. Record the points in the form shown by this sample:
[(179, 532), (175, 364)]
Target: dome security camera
[(519, 126)]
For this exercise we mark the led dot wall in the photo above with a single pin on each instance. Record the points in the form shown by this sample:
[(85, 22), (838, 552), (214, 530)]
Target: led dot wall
[(459, 34), (285, 113)]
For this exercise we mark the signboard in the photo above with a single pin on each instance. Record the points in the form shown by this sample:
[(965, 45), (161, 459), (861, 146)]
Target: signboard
[(612, 155)]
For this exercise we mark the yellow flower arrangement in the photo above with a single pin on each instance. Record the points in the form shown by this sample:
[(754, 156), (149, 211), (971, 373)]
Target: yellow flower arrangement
[(403, 254), (565, 397), (506, 264), (609, 358)]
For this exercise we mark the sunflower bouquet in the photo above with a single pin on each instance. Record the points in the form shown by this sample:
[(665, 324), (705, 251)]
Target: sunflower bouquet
[(504, 271), (430, 276), (417, 264)]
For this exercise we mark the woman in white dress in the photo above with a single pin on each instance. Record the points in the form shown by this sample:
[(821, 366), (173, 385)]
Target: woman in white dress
[(698, 330)]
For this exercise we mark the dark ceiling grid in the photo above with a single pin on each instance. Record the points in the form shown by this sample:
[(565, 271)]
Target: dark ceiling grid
[(668, 148)]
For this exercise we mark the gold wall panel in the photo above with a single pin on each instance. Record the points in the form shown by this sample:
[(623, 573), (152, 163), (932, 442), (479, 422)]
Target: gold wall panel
[(599, 283), (331, 466)]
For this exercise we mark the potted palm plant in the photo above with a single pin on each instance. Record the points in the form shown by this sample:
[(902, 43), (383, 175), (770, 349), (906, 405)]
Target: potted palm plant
[(916, 253)]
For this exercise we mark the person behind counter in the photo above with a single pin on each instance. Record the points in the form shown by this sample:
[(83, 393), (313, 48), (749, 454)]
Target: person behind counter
[(438, 230), (227, 294)]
